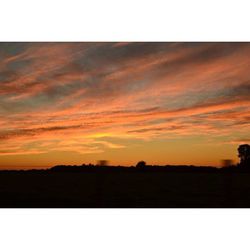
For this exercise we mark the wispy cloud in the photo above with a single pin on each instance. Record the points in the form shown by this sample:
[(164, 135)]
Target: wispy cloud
[(66, 91)]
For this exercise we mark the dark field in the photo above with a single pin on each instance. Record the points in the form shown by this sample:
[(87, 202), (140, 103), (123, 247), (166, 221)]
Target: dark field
[(128, 188)]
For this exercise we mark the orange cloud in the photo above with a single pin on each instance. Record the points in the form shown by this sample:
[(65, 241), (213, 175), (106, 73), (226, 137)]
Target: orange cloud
[(58, 96)]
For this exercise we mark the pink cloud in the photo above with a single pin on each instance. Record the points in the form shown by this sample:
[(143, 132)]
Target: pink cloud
[(67, 91)]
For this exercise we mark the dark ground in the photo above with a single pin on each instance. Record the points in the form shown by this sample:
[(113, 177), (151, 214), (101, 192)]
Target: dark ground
[(125, 188)]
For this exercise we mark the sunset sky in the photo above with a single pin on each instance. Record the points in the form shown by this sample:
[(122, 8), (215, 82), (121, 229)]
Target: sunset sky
[(164, 103)]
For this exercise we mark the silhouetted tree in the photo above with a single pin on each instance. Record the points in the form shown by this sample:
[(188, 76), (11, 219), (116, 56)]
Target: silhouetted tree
[(102, 163), (141, 164), (244, 155)]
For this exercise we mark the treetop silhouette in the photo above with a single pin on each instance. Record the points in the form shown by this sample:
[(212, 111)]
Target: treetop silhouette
[(244, 155)]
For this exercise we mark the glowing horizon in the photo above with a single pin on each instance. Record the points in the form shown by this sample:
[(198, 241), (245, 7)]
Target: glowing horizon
[(164, 103)]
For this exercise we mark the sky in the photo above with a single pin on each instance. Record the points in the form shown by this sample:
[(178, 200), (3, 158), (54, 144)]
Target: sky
[(164, 103)]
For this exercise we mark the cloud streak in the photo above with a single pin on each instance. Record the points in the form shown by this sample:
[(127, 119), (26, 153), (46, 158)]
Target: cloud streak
[(67, 91)]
